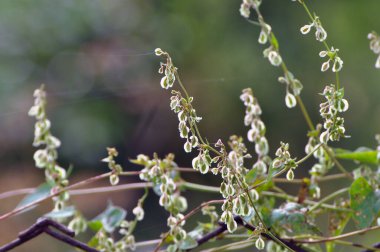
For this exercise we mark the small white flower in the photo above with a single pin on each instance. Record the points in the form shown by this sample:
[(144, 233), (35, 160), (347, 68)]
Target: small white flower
[(290, 100), (290, 175), (325, 66), (138, 211), (187, 146), (245, 10), (260, 244), (274, 58), (306, 28), (338, 64), (158, 51), (164, 82)]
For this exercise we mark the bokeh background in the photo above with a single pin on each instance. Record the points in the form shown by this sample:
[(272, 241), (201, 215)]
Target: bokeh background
[(96, 60)]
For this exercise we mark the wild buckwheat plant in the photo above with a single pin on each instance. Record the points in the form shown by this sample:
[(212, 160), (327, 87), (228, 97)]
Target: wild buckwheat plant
[(251, 207)]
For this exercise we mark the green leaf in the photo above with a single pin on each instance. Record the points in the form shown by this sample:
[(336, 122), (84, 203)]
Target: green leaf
[(94, 242), (95, 225), (41, 191), (188, 243), (63, 213), (110, 219), (365, 202), (362, 155), (251, 176), (292, 219)]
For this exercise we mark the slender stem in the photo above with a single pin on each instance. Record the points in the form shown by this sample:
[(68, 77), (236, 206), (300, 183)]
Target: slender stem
[(309, 202), (354, 244), (338, 237), (16, 192), (309, 155), (81, 183), (337, 80), (229, 246), (147, 243), (300, 181), (201, 188), (305, 113)]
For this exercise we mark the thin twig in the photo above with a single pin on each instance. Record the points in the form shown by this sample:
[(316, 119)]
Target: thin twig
[(79, 184), (338, 237)]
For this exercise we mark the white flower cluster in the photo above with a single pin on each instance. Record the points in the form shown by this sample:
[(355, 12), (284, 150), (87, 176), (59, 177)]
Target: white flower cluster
[(115, 168), (291, 84), (127, 242), (257, 132), (284, 161), (273, 56), (46, 157), (332, 56), (245, 7), (233, 188), (107, 243), (161, 174), (320, 33), (374, 45), (187, 119), (168, 68), (181, 106), (333, 124), (203, 161)]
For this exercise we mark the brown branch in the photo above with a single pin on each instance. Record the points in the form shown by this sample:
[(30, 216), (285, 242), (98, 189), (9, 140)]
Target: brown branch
[(43, 225)]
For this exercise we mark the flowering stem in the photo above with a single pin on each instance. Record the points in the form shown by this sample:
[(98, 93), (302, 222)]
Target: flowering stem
[(337, 84), (194, 126)]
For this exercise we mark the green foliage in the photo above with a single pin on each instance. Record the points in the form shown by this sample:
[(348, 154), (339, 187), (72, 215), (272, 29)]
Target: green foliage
[(41, 192), (292, 218), (365, 202), (62, 213), (110, 219), (362, 154)]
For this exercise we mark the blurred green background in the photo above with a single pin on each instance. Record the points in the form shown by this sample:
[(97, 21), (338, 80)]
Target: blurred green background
[(96, 59)]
